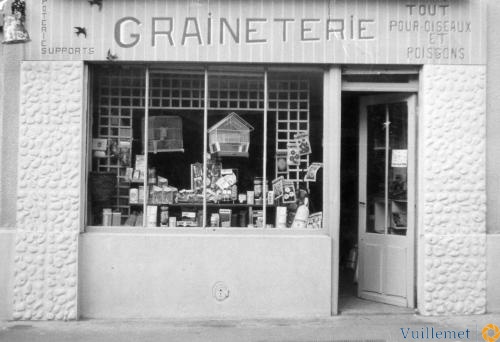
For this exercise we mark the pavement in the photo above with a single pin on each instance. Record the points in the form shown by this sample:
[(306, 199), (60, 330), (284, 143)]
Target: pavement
[(342, 328)]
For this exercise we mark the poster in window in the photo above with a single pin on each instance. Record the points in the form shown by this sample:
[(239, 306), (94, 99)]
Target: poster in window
[(281, 164), (399, 158), (293, 154), (278, 187), (289, 192), (303, 144)]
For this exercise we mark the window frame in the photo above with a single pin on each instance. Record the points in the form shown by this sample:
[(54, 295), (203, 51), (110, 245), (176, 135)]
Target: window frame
[(207, 71)]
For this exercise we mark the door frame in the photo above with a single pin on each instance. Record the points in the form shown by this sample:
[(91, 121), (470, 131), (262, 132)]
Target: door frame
[(335, 84), (382, 98)]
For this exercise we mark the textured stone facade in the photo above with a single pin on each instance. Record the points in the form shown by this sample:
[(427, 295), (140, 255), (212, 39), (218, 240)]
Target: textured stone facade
[(49, 190), (452, 191)]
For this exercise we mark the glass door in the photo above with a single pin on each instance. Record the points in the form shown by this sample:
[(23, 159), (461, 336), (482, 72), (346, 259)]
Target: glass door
[(386, 195)]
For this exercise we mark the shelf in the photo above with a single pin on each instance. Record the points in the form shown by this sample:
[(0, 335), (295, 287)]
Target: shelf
[(166, 151), (135, 181), (209, 205)]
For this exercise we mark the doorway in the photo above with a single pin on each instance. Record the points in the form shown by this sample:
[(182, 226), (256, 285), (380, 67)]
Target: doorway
[(377, 203)]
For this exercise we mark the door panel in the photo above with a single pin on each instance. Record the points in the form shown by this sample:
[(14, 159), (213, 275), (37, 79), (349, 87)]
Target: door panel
[(372, 259), (386, 198), (395, 274)]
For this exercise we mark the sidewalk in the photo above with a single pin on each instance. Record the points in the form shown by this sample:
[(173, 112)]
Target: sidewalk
[(352, 328)]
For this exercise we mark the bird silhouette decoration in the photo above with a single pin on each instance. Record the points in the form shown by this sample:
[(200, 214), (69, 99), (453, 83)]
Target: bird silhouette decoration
[(80, 30), (98, 3), (111, 57)]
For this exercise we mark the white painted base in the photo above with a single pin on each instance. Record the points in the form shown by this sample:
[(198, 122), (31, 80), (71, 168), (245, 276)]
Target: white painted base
[(493, 273), (6, 249), (172, 276)]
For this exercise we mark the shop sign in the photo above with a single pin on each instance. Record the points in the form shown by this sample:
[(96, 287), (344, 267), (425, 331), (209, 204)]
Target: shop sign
[(285, 31)]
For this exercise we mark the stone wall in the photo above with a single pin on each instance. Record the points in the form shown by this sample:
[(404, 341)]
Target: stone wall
[(48, 191), (452, 191)]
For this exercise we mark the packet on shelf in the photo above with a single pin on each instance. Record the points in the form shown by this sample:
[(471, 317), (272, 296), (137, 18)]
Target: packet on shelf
[(188, 196), (163, 195), (162, 181)]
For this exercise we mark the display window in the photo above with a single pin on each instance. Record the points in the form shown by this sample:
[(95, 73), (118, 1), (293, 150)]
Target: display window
[(205, 147)]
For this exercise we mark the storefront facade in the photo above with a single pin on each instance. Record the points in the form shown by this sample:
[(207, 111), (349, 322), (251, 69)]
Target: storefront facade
[(109, 73)]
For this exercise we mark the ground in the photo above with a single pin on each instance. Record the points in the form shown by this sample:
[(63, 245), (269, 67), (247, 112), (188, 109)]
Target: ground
[(348, 327)]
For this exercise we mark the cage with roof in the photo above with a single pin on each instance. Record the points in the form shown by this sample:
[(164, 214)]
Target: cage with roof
[(230, 137)]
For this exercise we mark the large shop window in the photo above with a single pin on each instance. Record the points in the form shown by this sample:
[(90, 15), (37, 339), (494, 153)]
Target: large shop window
[(228, 147)]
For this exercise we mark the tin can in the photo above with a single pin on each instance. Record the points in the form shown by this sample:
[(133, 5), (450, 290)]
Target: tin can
[(106, 217), (257, 188), (164, 216), (242, 218)]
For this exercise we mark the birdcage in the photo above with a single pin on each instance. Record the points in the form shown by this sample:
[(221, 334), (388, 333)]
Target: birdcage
[(230, 137), (165, 134)]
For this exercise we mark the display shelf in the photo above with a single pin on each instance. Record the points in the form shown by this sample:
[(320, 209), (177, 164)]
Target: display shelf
[(167, 150), (135, 181), (209, 205)]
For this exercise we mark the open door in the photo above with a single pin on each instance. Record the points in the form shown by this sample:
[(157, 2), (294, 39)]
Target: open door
[(387, 199)]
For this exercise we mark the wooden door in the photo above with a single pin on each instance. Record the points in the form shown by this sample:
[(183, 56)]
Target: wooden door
[(387, 199)]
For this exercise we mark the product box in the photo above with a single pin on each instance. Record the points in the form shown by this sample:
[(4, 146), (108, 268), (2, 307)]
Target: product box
[(242, 198), (315, 220), (117, 218), (99, 144), (152, 214), (280, 217), (250, 197), (133, 196), (258, 218), (140, 164), (141, 194), (106, 217), (225, 217), (129, 174), (189, 216), (214, 220), (138, 221)]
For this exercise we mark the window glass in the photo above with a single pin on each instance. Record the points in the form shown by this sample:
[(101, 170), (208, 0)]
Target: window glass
[(237, 162), (235, 177), (387, 168), (398, 175), (118, 107), (376, 169), (295, 150), (175, 149)]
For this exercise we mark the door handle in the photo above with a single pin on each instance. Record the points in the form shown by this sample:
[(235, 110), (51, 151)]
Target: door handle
[(362, 203)]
